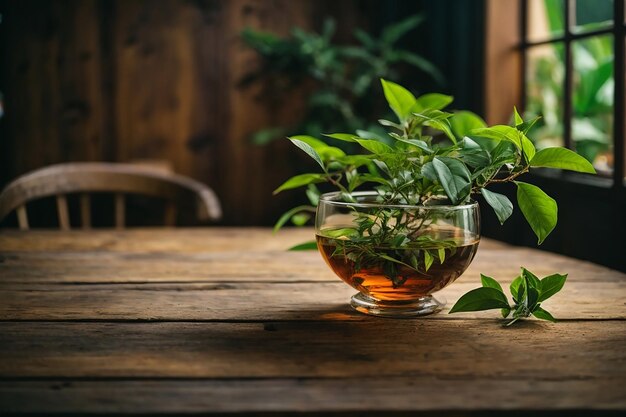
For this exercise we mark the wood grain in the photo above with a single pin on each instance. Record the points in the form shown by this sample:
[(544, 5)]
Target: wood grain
[(389, 396), (209, 255), (223, 320), (583, 351), (237, 301)]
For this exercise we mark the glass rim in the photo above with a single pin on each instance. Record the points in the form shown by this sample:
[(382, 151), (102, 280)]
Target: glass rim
[(328, 198)]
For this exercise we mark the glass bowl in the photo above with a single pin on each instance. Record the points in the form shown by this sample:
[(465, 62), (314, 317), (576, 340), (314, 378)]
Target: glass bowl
[(396, 256)]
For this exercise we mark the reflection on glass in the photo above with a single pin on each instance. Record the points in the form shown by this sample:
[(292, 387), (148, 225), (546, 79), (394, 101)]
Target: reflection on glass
[(592, 15), (545, 19), (592, 100), (545, 73)]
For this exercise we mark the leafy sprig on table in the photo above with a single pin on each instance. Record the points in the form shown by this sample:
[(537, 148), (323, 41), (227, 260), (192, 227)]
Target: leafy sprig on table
[(527, 290)]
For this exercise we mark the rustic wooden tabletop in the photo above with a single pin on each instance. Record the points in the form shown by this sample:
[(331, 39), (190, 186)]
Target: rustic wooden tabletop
[(225, 321)]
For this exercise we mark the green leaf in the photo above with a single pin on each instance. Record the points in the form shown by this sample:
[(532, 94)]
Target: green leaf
[(310, 140), (539, 209), (428, 260), (366, 134), (312, 245), (527, 125), (442, 255), (531, 279), (432, 101), (289, 214), (309, 150), (550, 285), (388, 123), (365, 38), (532, 297), (346, 137), (500, 204), (344, 232), (463, 122), (527, 147), (423, 64), (428, 171), (399, 98), (394, 260), (518, 118), (299, 181), (363, 178), (562, 158), (392, 33), (479, 299), (542, 314), (300, 219), (473, 154), (325, 151), (489, 282), (454, 177), (502, 153), (313, 194), (441, 124), (515, 288), (375, 146), (355, 160), (505, 312), (418, 143), (511, 134)]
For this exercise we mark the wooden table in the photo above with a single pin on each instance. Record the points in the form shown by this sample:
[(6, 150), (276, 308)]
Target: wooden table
[(225, 321)]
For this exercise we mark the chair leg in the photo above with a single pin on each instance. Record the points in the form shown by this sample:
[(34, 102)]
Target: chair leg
[(170, 214), (64, 217), (120, 211), (22, 217), (85, 211)]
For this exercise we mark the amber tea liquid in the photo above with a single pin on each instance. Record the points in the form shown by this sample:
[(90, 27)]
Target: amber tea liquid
[(371, 279)]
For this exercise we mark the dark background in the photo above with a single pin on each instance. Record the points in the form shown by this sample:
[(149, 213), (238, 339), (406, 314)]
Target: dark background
[(158, 80), (128, 80)]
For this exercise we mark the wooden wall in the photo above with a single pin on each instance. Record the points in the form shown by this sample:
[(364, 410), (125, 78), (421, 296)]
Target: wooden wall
[(121, 80)]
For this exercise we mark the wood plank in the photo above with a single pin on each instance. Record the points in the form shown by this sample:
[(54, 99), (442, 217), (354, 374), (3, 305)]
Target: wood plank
[(93, 267), (582, 351), (192, 240), (270, 265), (259, 301), (388, 396)]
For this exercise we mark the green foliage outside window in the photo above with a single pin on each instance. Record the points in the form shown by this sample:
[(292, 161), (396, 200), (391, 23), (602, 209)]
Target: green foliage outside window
[(592, 93)]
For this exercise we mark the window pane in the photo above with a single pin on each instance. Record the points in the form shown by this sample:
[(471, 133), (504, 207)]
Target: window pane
[(592, 100), (545, 19), (545, 73), (593, 14)]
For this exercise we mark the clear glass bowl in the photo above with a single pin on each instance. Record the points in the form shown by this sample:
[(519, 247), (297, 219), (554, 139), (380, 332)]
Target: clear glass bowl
[(396, 256)]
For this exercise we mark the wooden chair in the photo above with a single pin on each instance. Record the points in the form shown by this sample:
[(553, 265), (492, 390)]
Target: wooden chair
[(95, 177)]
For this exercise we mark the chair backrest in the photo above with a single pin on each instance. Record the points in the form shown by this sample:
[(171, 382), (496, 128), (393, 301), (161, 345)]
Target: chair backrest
[(119, 179)]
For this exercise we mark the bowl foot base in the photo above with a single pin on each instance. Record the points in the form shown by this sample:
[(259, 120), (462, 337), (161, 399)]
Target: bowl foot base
[(396, 309)]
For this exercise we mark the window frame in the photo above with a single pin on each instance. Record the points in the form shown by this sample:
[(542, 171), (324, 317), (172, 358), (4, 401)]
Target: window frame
[(601, 200), (505, 78)]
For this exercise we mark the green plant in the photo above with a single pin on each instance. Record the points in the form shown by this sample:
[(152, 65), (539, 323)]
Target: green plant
[(527, 290), (338, 76), (429, 156)]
